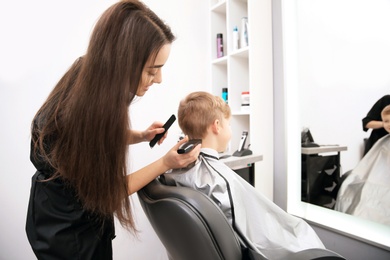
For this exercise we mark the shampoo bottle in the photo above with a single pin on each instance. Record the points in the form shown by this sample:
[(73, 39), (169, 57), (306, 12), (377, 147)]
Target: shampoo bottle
[(225, 95), (235, 38), (244, 32), (219, 45)]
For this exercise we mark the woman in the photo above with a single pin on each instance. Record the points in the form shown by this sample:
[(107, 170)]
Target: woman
[(80, 137)]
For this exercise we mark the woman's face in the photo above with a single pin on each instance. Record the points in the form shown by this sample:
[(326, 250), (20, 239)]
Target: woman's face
[(152, 71)]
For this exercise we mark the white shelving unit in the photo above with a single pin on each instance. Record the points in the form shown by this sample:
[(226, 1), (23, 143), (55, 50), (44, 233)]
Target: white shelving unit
[(246, 69)]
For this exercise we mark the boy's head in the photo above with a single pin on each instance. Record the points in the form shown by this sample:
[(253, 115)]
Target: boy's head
[(200, 110), (386, 118)]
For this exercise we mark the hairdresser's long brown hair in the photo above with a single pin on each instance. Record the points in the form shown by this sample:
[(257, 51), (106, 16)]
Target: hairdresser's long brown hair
[(87, 112)]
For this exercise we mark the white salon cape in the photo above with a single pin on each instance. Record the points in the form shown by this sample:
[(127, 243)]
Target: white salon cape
[(267, 228), (366, 190)]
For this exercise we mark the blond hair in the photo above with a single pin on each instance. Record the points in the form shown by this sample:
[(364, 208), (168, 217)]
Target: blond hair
[(198, 110)]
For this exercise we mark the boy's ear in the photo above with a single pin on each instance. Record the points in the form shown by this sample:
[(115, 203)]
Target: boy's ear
[(215, 126)]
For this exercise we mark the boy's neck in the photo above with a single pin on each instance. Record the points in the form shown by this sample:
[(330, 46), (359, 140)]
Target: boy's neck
[(211, 142)]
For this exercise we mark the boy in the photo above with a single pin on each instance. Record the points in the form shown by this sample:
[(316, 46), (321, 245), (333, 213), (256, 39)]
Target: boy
[(366, 190), (266, 228)]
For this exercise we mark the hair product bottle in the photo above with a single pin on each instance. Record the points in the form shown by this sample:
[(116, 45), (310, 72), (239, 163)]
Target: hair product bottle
[(219, 45), (225, 94), (244, 32), (245, 101), (235, 38)]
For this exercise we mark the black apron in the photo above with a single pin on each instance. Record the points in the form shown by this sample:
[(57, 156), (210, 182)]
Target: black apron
[(57, 225), (59, 228)]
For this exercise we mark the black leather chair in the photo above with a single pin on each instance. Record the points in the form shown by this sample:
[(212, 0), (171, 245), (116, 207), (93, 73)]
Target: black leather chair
[(192, 227)]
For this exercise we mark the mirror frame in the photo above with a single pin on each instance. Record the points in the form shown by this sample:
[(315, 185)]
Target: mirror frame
[(364, 230)]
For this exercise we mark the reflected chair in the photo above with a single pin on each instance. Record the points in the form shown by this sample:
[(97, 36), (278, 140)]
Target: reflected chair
[(192, 227)]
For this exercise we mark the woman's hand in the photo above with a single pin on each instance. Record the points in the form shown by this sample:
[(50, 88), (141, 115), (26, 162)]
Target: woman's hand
[(153, 130), (147, 135), (173, 160)]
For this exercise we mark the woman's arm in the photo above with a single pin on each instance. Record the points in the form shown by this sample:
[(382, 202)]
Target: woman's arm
[(374, 124), (134, 136), (373, 118), (171, 160)]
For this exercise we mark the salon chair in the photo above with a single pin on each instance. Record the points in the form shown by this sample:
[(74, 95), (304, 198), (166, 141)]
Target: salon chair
[(192, 227)]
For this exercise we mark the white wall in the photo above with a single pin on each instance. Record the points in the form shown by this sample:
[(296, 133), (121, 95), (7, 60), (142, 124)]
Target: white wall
[(40, 40)]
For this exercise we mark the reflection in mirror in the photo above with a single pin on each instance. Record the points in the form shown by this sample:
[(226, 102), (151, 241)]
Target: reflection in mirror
[(340, 65), (365, 192), (337, 67)]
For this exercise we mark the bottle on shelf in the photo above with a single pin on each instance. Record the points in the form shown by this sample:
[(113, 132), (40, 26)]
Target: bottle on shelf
[(235, 38), (219, 45), (225, 95), (244, 32), (245, 101)]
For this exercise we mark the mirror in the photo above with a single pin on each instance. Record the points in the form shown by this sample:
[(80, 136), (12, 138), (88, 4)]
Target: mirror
[(336, 66)]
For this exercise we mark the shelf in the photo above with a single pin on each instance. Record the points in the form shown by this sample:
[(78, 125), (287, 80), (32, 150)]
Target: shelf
[(220, 61), (246, 69), (240, 113), (241, 53), (232, 70), (219, 7)]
